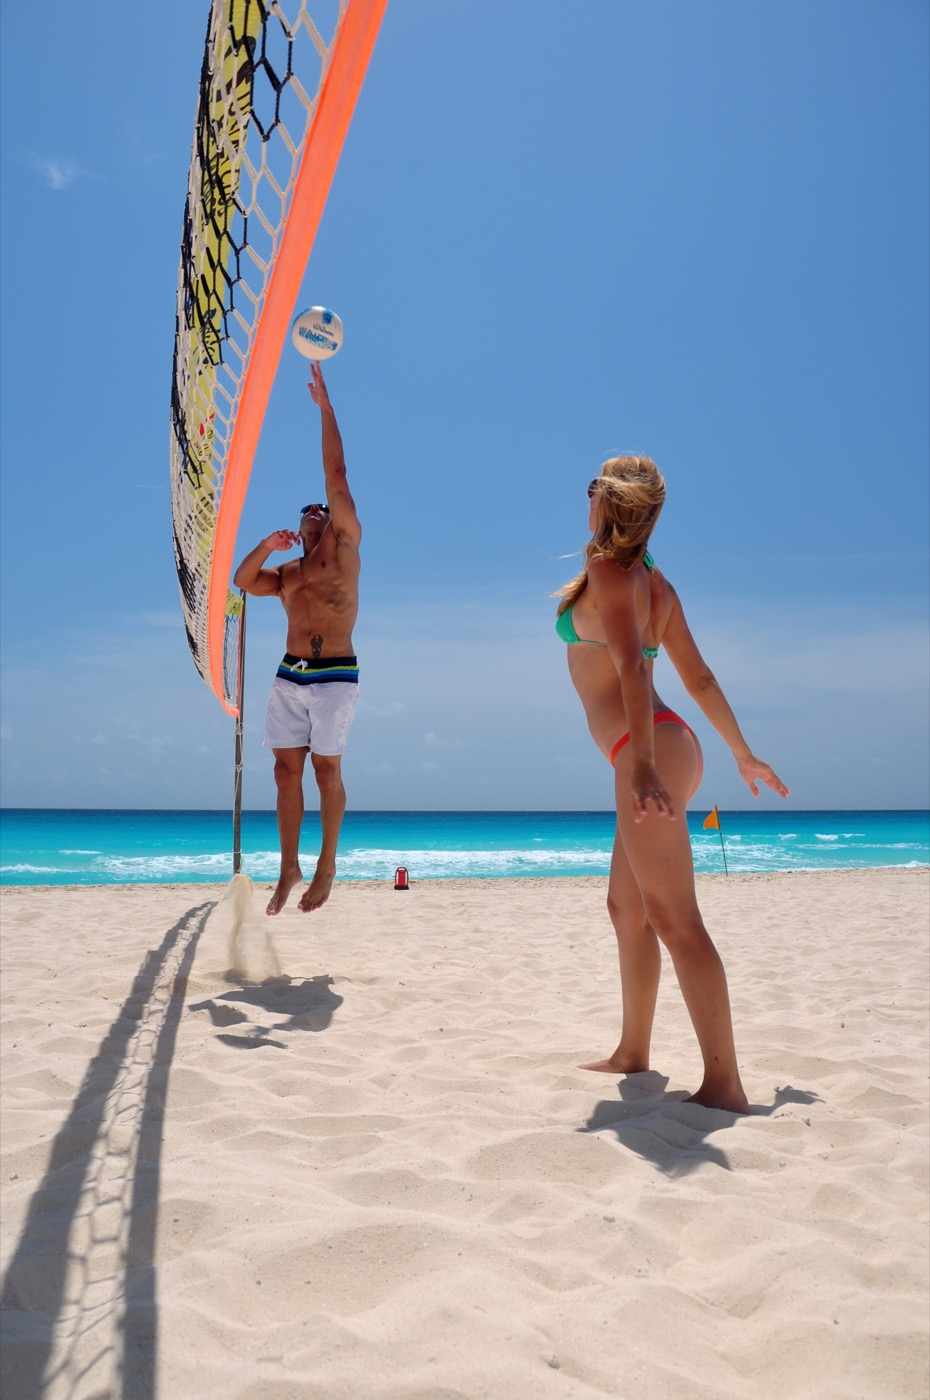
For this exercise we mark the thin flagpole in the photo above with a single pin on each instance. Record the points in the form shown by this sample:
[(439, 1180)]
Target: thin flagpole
[(719, 828), (237, 776)]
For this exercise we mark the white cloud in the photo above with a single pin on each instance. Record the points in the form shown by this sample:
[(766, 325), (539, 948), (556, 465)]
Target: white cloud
[(58, 174)]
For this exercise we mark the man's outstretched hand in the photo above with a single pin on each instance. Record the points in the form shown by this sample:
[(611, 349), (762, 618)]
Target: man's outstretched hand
[(317, 386)]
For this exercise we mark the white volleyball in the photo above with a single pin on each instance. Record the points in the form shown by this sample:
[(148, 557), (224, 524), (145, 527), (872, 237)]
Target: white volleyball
[(317, 333)]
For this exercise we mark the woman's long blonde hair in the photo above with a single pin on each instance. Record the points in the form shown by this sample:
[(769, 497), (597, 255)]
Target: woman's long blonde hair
[(630, 493)]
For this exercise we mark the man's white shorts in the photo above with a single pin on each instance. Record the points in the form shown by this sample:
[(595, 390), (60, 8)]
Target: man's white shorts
[(310, 713)]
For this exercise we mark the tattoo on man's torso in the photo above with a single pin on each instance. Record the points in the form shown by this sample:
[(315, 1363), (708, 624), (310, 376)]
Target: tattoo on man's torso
[(316, 646)]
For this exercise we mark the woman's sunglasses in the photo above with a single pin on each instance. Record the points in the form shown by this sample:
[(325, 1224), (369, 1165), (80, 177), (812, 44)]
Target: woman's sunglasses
[(592, 486)]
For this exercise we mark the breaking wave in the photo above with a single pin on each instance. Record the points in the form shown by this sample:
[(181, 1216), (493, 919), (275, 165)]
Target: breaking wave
[(29, 870)]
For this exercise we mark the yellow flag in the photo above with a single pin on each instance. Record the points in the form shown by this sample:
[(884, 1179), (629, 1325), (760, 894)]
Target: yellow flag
[(712, 821)]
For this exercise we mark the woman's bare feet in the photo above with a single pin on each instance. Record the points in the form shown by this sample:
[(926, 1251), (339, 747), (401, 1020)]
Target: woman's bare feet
[(729, 1097), (290, 877), (318, 890), (620, 1062)]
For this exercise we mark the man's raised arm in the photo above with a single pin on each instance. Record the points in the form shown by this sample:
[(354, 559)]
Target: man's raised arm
[(252, 576), (338, 496)]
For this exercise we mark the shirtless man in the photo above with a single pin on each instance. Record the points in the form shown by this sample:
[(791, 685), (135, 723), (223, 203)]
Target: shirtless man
[(313, 698)]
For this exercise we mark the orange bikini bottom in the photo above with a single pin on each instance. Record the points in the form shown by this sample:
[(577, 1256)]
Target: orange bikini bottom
[(659, 717)]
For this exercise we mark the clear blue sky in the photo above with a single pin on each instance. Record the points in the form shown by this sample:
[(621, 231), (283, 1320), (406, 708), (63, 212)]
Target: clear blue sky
[(558, 231)]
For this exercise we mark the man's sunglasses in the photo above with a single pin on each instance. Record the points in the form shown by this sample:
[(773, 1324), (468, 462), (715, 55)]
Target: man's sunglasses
[(314, 505)]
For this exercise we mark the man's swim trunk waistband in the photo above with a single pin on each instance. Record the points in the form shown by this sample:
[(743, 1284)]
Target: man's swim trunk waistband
[(319, 670)]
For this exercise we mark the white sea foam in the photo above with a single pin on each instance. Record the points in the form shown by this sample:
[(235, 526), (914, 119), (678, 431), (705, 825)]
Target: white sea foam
[(466, 862), (379, 862), (30, 870), (155, 867), (370, 863), (77, 851)]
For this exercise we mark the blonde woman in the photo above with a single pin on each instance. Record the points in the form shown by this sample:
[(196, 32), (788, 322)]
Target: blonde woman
[(615, 616)]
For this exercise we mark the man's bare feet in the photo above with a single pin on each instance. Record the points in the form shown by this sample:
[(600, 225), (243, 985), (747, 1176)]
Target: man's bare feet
[(318, 890), (289, 878), (620, 1062), (729, 1097)]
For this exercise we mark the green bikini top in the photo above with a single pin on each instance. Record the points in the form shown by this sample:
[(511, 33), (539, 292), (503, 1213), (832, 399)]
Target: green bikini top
[(565, 623)]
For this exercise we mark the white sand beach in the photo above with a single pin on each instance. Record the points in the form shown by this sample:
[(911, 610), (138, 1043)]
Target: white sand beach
[(382, 1175)]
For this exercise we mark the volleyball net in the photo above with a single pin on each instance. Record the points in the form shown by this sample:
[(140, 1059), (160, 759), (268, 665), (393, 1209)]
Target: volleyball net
[(278, 85)]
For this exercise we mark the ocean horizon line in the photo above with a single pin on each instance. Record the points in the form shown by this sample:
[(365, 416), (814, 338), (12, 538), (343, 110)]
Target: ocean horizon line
[(754, 810)]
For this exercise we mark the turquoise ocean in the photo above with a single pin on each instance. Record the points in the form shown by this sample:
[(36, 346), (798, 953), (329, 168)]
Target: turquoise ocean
[(150, 847)]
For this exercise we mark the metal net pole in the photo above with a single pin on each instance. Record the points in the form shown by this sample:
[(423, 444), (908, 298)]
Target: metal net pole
[(237, 778)]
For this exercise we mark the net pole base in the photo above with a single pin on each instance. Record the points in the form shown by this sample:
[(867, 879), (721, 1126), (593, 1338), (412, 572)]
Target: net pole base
[(238, 749)]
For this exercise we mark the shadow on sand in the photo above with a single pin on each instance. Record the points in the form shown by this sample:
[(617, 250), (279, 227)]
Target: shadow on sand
[(309, 1005), (667, 1130), (79, 1301)]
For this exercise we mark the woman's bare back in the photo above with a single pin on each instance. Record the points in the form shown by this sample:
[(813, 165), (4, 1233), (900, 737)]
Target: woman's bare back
[(592, 669)]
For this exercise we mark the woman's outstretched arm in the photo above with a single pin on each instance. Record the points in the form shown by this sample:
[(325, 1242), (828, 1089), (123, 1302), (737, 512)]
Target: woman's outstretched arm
[(703, 687)]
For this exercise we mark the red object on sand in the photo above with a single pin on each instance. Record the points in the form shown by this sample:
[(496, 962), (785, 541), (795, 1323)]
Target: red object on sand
[(401, 878)]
